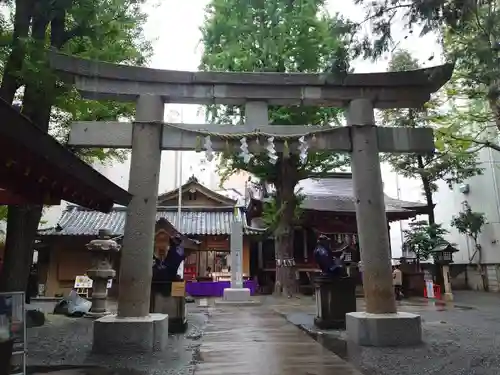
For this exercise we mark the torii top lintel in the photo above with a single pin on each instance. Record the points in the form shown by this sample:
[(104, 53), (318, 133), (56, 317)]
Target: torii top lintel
[(101, 80)]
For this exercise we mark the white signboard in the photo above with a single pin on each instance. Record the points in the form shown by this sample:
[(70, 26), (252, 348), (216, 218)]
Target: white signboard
[(85, 282)]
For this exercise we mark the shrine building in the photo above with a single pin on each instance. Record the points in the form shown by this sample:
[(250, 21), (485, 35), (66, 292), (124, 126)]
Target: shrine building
[(205, 218)]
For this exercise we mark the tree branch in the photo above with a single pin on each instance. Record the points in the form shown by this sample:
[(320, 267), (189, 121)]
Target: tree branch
[(79, 31), (489, 144)]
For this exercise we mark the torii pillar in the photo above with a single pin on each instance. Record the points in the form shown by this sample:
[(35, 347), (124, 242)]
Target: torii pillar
[(134, 328), (380, 324)]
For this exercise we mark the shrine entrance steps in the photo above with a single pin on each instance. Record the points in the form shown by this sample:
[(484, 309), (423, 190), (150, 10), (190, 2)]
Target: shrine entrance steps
[(258, 341)]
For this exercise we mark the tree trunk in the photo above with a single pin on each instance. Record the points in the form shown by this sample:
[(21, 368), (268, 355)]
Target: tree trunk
[(427, 191), (484, 278), (493, 96), (23, 220), (11, 80), (22, 223), (285, 284)]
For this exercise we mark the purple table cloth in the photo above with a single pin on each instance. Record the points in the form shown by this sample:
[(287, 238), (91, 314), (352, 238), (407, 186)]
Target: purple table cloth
[(214, 288)]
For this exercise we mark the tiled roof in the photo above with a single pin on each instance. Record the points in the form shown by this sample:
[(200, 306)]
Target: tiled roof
[(233, 194), (336, 193), (77, 221)]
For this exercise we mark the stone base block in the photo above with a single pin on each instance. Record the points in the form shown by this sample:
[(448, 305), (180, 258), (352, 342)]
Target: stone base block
[(399, 329), (236, 294), (448, 297), (114, 335), (329, 324), (174, 307), (94, 315), (335, 297), (237, 297)]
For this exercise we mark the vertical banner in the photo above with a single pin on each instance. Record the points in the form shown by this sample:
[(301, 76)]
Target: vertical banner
[(429, 286)]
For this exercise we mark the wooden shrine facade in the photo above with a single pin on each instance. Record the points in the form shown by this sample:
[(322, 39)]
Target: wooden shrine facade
[(328, 208)]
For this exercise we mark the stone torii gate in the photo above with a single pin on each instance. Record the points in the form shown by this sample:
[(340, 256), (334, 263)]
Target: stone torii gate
[(134, 327)]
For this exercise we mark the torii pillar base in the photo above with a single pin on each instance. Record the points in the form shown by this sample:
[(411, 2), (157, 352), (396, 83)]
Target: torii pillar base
[(116, 335), (384, 330)]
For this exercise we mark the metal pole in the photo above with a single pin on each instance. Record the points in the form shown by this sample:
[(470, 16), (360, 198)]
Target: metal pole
[(398, 195), (180, 271)]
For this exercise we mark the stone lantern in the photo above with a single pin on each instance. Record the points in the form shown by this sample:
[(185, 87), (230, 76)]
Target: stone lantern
[(102, 270), (443, 257)]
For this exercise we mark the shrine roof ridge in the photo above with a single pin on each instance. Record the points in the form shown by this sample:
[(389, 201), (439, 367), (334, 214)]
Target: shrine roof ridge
[(431, 78), (160, 208), (79, 221)]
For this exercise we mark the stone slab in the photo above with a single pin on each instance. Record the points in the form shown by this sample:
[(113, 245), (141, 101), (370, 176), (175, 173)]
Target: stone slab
[(236, 294), (116, 134), (115, 335), (399, 329), (251, 302)]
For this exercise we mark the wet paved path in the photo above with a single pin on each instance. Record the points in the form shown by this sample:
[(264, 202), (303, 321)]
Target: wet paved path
[(257, 341)]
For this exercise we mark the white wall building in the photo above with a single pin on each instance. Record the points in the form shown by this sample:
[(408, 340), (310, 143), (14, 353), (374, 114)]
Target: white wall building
[(483, 195)]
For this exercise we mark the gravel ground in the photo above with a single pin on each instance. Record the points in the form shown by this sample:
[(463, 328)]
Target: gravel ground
[(463, 340), (66, 341), (459, 340)]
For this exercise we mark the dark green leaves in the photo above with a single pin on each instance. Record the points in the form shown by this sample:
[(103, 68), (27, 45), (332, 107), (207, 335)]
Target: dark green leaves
[(276, 36)]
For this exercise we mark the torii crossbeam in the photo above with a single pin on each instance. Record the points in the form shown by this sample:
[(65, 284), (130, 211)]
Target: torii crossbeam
[(148, 135)]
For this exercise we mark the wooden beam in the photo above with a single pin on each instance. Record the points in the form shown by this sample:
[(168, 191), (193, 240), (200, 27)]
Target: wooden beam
[(7, 197), (184, 137)]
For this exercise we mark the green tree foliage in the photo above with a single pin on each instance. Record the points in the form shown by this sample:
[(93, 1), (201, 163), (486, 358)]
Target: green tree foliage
[(422, 237), (101, 29), (473, 95), (277, 36), (470, 37), (471, 223), (420, 16), (453, 161)]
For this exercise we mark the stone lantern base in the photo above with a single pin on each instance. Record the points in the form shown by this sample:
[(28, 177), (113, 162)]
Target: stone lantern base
[(335, 297), (163, 302)]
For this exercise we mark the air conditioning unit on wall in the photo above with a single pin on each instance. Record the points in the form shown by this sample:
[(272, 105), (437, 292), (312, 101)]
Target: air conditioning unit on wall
[(464, 188)]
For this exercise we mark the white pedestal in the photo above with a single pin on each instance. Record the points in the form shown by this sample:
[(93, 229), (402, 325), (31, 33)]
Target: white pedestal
[(236, 294), (237, 297)]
